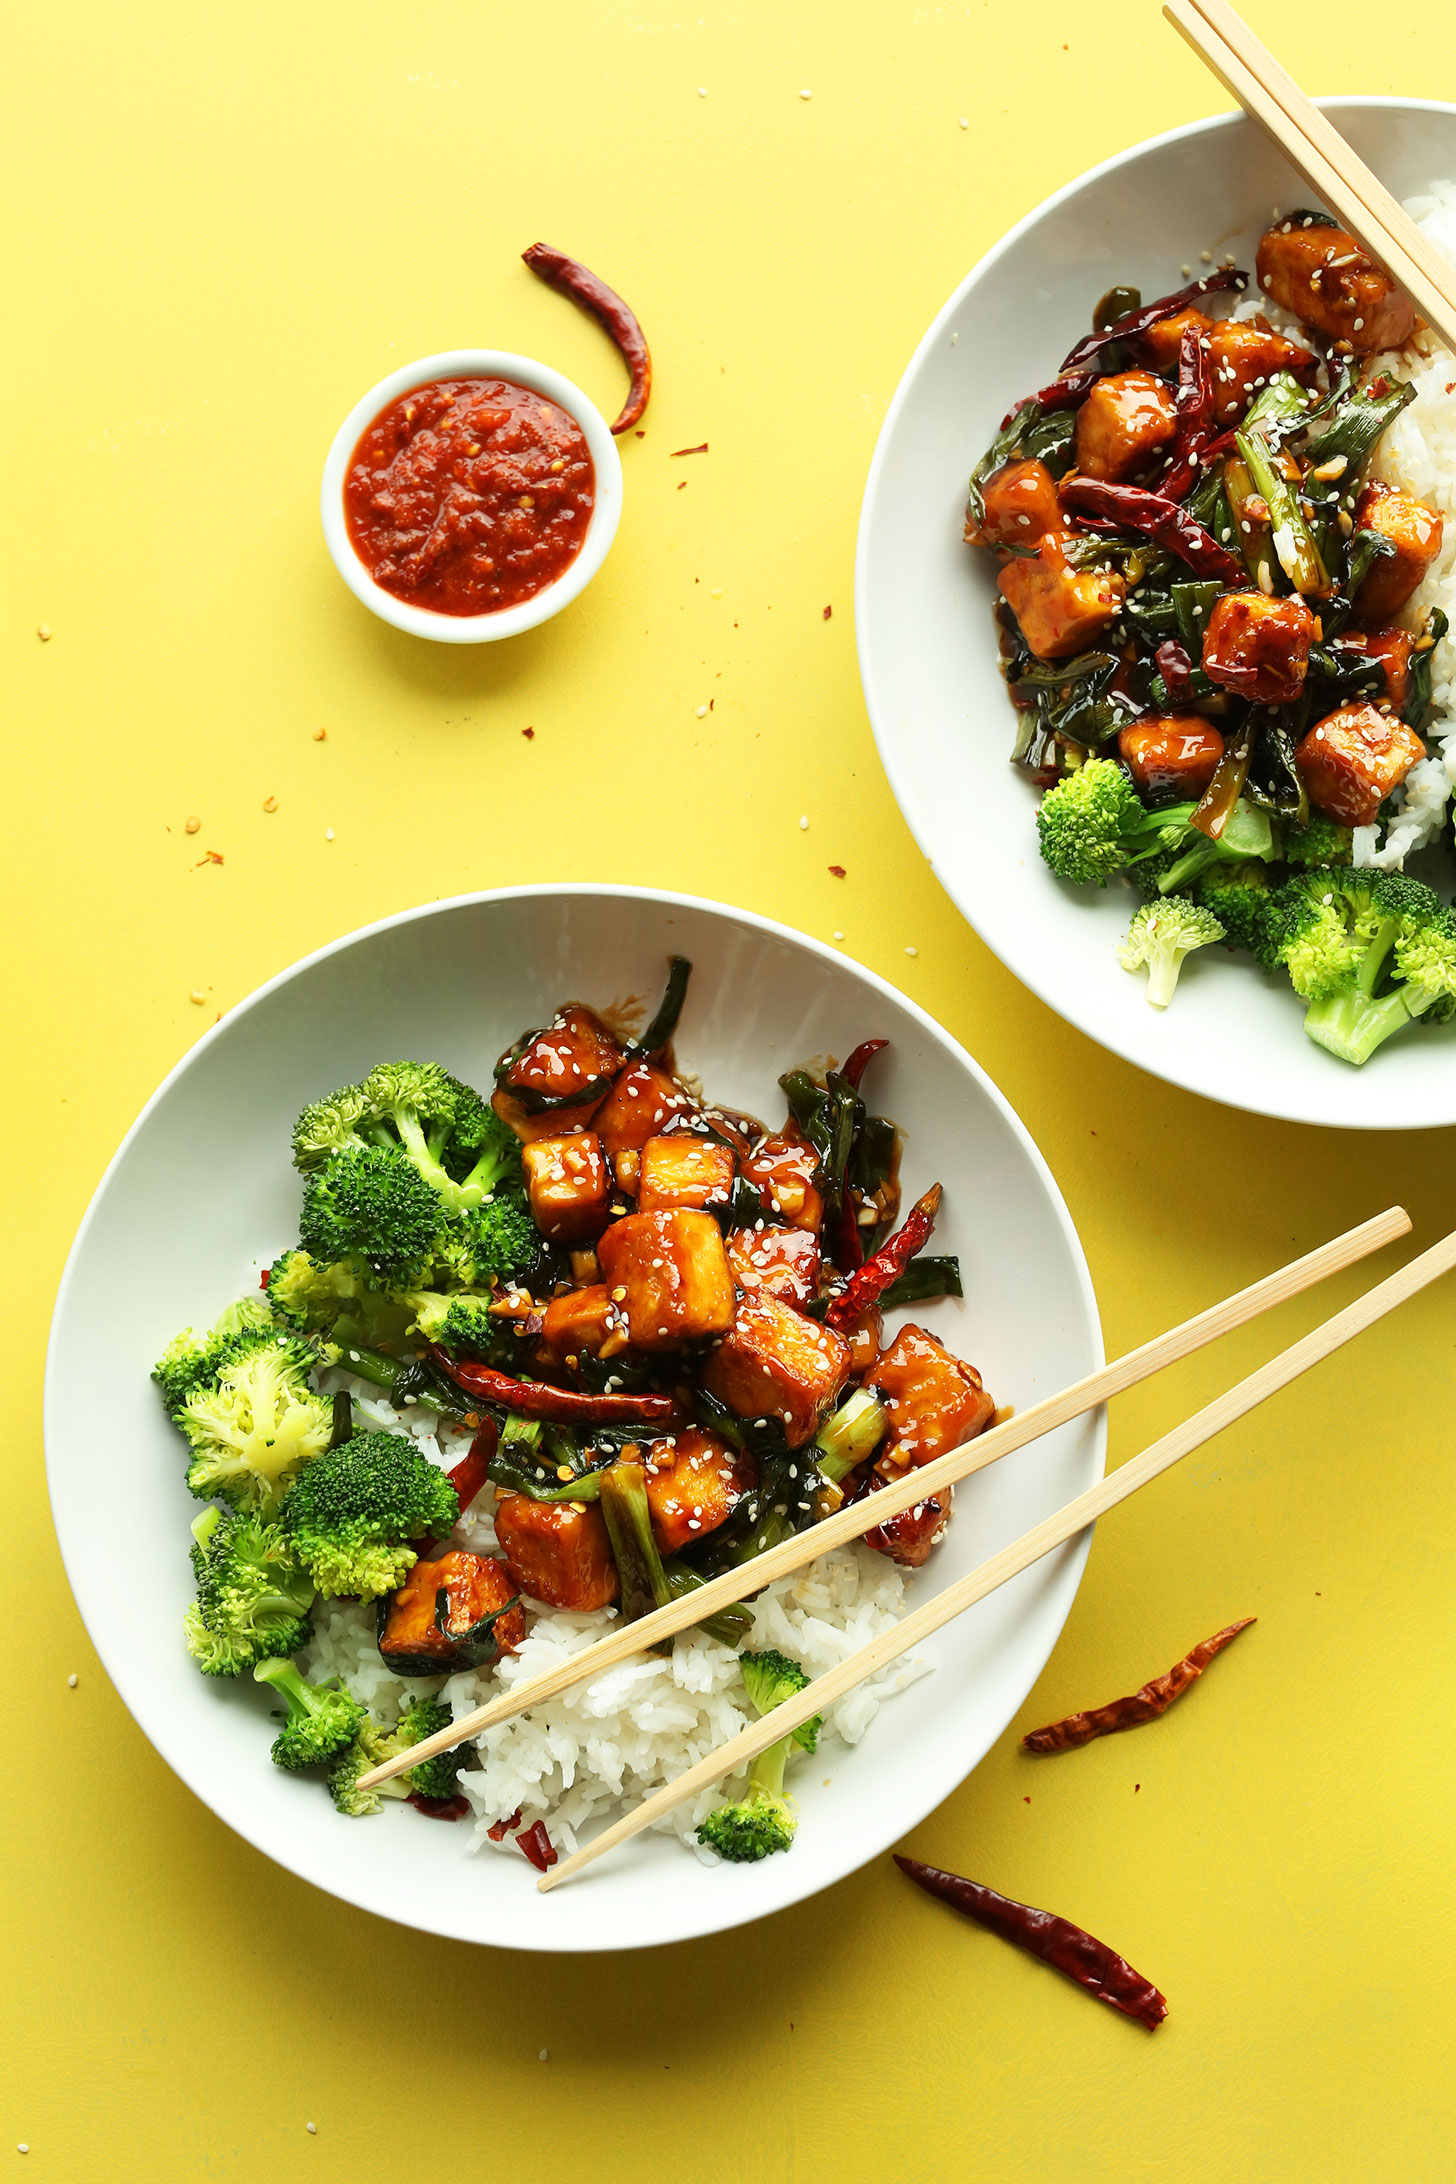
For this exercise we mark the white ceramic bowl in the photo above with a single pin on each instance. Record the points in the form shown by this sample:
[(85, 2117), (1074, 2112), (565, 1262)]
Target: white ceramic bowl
[(927, 643), (455, 981), (475, 629)]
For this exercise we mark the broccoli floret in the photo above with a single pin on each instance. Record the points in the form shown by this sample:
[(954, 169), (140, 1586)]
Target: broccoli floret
[(1370, 951), (421, 1718), (336, 1303), (450, 1136), (1161, 935), (322, 1718), (461, 1322), (1322, 842), (190, 1360), (763, 1820), (252, 1601), (498, 1241), (1241, 898), (1092, 824), (254, 1422), (370, 1748), (350, 1517), (372, 1205)]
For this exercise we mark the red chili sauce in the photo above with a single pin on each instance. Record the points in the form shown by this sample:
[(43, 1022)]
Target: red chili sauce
[(469, 495)]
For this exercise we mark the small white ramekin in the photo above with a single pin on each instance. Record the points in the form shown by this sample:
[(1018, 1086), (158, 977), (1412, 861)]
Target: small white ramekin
[(474, 629)]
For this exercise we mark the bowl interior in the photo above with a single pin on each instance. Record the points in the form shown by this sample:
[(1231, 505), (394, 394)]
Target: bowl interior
[(927, 642), (455, 982)]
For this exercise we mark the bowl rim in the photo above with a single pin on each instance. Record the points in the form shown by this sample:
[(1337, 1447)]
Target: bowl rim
[(802, 1882), (474, 629), (897, 772)]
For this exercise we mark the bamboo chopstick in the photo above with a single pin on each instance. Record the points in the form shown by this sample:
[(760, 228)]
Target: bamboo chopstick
[(1317, 151), (1054, 1531), (846, 1524)]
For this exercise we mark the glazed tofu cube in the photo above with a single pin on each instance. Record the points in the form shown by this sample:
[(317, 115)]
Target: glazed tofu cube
[(684, 1171), (1258, 647), (908, 1537), (474, 1586), (641, 1100), (1171, 754), (1021, 506), (568, 1185), (1324, 277), (694, 1482), (1393, 648), (1414, 530), (1162, 344), (582, 1321), (782, 1171), (1242, 355), (572, 1055), (556, 1122), (1123, 423), (935, 1400), (777, 1364), (1352, 761), (557, 1552), (784, 1262), (669, 1273), (1060, 609)]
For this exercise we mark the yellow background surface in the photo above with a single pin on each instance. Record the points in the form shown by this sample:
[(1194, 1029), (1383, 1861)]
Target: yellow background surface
[(223, 224)]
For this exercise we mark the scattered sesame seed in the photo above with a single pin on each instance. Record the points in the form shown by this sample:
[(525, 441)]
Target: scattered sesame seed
[(44, 632), (22, 2148), (804, 821), (193, 824), (702, 712), (965, 124), (912, 951), (270, 803), (328, 834), (320, 735), (72, 1681), (544, 2056), (806, 94), (312, 2129), (1205, 257), (717, 591), (197, 997)]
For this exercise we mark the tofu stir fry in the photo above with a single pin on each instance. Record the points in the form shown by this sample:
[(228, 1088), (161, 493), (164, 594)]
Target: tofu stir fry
[(661, 1322), (1206, 628)]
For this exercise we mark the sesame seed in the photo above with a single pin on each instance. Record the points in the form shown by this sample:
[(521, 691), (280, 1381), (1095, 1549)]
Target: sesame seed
[(965, 124), (837, 936), (544, 2056), (328, 834), (72, 1681), (270, 803), (702, 712), (197, 997), (804, 822), (312, 2129), (44, 631), (806, 94), (192, 825), (912, 951)]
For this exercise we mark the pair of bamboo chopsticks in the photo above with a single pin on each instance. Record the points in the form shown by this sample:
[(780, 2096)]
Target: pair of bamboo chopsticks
[(1317, 151)]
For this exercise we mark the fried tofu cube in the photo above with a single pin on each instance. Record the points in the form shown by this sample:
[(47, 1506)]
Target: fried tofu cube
[(1060, 609), (1324, 276), (669, 1273), (1393, 648), (695, 1480), (567, 1185), (557, 1552), (784, 1262), (684, 1171), (935, 1400), (556, 1122), (1020, 506), (582, 1321), (1125, 420), (782, 1171), (908, 1537), (777, 1364), (1258, 647), (1415, 531), (1243, 354), (1171, 754), (1353, 759), (1162, 344), (641, 1101), (474, 1587), (571, 1056)]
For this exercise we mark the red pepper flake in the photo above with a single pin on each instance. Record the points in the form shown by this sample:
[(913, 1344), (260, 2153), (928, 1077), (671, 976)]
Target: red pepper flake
[(1380, 387), (529, 734), (641, 435), (503, 1828), (828, 612), (1067, 1948), (570, 278), (439, 1808), (211, 856), (838, 871), (538, 1846), (682, 485), (701, 449), (264, 1277), (1145, 1705)]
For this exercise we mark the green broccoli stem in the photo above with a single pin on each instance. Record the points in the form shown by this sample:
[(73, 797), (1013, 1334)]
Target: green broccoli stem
[(301, 1698), (1247, 833), (768, 1769)]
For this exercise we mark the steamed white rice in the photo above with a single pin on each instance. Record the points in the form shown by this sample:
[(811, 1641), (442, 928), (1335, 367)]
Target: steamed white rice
[(596, 1750), (1418, 453)]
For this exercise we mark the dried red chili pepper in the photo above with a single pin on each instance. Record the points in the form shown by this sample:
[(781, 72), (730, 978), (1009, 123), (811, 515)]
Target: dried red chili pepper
[(871, 1280), (439, 1808), (502, 1828), (473, 1469), (1153, 1699), (1133, 509), (859, 1061), (1194, 405), (558, 1406), (538, 1846), (848, 1243), (1175, 665), (1068, 392), (575, 280), (1148, 314), (1067, 1948)]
